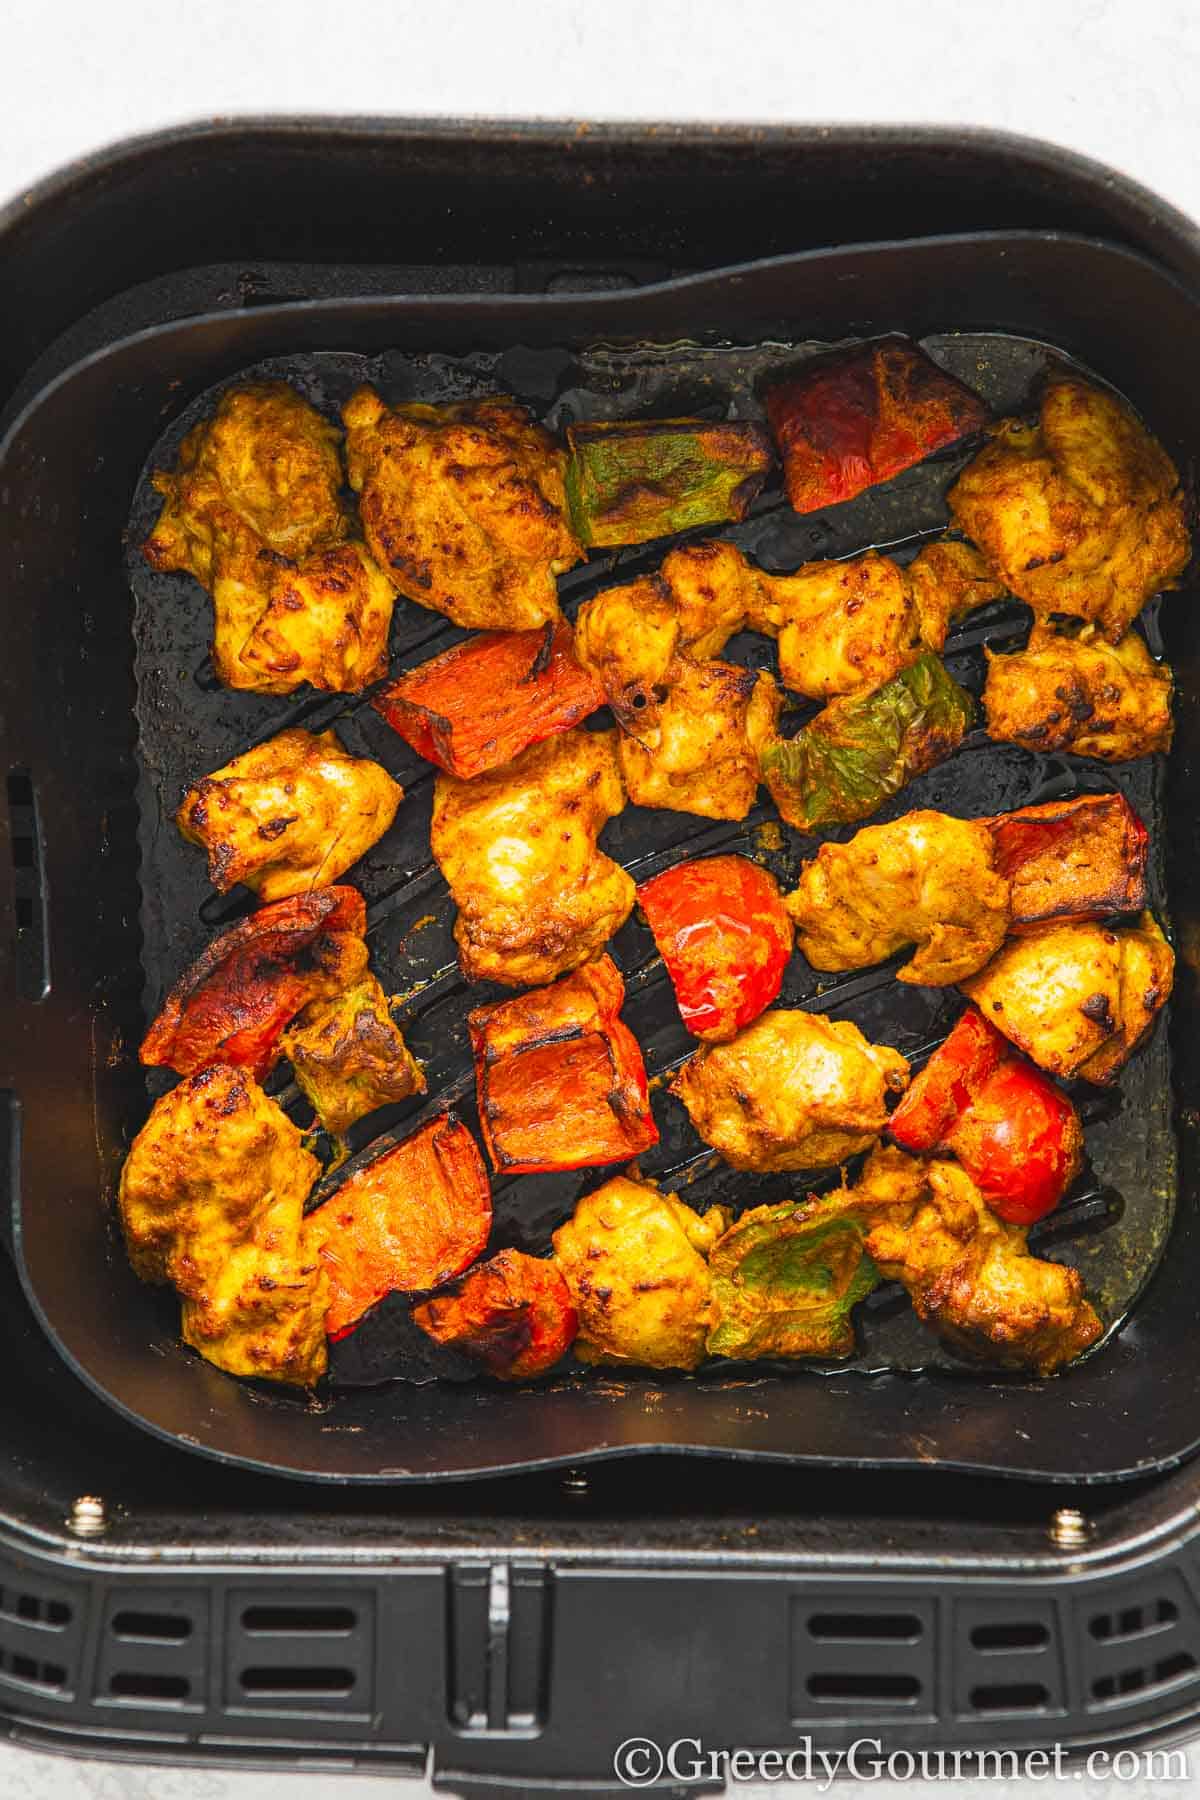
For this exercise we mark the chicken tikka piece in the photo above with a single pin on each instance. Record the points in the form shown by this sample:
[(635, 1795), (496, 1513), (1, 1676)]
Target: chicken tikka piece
[(1111, 702), (254, 513), (463, 506), (289, 815), (517, 846), (349, 1055), (1080, 513)]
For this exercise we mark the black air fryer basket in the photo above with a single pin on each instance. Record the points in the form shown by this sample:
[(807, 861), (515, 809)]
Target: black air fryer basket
[(722, 1548)]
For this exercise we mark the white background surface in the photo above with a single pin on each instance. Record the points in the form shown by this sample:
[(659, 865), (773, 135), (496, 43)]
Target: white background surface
[(1116, 79)]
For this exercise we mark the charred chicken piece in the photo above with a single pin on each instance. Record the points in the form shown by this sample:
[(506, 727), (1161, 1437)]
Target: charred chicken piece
[(1107, 701), (701, 754), (970, 1275), (1083, 858), (290, 815), (1078, 999), (859, 417), (1081, 513), (628, 481), (560, 1079), (926, 879), (232, 1004), (634, 1262), (463, 507), (349, 1056), (517, 846), (795, 1090), (326, 621), (408, 1220), (512, 1314)]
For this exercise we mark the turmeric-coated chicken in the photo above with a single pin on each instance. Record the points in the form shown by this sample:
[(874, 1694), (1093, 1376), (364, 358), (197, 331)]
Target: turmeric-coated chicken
[(1078, 998), (212, 1199), (517, 846), (926, 879), (289, 815), (326, 622), (634, 1260), (349, 1055), (1081, 513), (971, 1276), (701, 755), (463, 507), (795, 1090), (1084, 695)]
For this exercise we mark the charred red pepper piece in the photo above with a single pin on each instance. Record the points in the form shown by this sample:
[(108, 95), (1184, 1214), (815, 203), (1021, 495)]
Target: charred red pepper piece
[(232, 1004), (723, 932), (561, 1080), (513, 1314), (1083, 858), (483, 702), (1015, 1133), (851, 420), (408, 1220)]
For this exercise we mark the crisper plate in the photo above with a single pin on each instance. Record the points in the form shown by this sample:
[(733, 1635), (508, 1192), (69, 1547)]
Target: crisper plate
[(682, 347)]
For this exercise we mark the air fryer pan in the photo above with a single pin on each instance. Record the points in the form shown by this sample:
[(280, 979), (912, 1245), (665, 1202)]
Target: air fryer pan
[(70, 465)]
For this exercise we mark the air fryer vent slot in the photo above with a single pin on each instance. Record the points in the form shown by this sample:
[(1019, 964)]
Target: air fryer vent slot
[(1015, 1634), (1010, 1697), (293, 1683), (299, 1621), (1133, 1621), (865, 1689), (1124, 1682), (34, 1609), (17, 1666), (149, 1627), (869, 1628), (150, 1688), (298, 1650)]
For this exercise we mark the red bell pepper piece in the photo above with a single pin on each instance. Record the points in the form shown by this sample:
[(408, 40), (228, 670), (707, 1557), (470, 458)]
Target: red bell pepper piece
[(232, 1004), (860, 417), (483, 702), (514, 1314), (560, 1079), (1083, 858), (722, 930), (408, 1220), (1014, 1132)]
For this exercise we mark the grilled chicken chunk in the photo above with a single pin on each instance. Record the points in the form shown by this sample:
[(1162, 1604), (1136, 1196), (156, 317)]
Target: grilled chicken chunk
[(349, 1055), (702, 756), (1108, 701), (634, 1262), (517, 846), (926, 879), (326, 622), (795, 1090), (1081, 513), (289, 815), (1078, 999), (463, 506), (970, 1276)]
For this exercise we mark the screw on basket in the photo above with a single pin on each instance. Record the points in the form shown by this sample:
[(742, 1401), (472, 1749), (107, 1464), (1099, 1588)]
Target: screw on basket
[(575, 1482), (1068, 1528), (88, 1517)]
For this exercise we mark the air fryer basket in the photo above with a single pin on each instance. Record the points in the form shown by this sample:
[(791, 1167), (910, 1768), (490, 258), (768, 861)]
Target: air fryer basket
[(227, 1615)]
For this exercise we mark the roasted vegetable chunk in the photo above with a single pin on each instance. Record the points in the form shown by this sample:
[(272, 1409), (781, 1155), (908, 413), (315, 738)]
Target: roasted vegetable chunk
[(627, 482), (782, 1288), (1083, 858), (1081, 513), (560, 1079), (410, 1219), (723, 933), (795, 1090), (462, 506), (513, 1313), (483, 702), (517, 847), (232, 1004), (290, 815), (1110, 702), (926, 879), (860, 750), (859, 417), (634, 1262), (350, 1057), (1017, 1136)]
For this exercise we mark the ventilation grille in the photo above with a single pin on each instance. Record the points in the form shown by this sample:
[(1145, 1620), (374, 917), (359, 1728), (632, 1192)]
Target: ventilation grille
[(154, 1649), (1008, 1659), (1141, 1642), (305, 1653), (40, 1635), (862, 1664)]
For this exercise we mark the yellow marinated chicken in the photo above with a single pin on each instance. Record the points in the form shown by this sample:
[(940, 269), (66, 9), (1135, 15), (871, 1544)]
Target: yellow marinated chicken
[(926, 879), (634, 1262), (1108, 701), (212, 1199), (701, 753), (289, 815), (349, 1055), (517, 847), (1081, 513), (463, 507), (1080, 998), (970, 1276), (326, 621), (795, 1090)]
